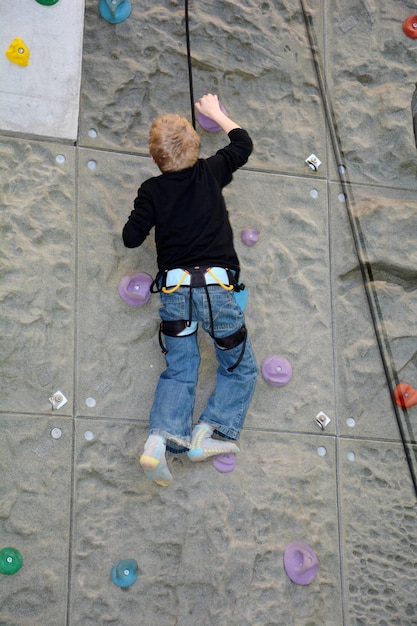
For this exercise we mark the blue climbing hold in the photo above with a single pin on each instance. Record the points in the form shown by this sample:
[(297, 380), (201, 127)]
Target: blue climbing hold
[(125, 572), (114, 11), (241, 298)]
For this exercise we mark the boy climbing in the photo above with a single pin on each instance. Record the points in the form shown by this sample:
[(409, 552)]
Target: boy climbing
[(198, 273)]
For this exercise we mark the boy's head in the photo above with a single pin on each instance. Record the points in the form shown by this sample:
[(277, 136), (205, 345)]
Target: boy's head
[(173, 143)]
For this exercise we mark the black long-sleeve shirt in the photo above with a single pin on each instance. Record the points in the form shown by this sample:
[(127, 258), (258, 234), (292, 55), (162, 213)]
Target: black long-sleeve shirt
[(188, 210)]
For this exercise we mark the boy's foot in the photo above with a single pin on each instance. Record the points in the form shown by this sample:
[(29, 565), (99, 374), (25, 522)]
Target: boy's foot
[(203, 446), (154, 462)]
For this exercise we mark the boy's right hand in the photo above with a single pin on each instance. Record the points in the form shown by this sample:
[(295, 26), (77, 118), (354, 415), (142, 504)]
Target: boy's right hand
[(209, 106)]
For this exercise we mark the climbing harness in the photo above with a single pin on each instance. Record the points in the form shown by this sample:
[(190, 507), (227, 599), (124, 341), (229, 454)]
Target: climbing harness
[(384, 348), (169, 281), (218, 281), (173, 279)]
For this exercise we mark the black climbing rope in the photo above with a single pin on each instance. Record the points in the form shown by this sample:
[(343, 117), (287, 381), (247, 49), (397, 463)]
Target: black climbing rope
[(190, 68), (384, 348)]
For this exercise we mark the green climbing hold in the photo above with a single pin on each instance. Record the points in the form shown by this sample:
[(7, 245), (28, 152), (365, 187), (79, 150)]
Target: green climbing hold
[(47, 3), (10, 561)]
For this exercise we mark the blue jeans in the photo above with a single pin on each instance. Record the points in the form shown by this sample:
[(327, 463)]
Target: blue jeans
[(172, 410)]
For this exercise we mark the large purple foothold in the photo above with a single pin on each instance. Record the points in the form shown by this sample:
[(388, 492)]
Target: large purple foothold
[(224, 463), (276, 370), (208, 124), (135, 288), (301, 563)]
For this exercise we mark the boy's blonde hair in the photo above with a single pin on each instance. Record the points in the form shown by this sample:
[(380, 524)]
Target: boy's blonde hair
[(173, 143)]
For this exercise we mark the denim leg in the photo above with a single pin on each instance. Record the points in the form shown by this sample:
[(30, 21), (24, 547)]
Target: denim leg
[(172, 409), (227, 407)]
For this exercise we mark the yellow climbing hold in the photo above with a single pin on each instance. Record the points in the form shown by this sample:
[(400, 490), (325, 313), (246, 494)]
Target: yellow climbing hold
[(18, 52)]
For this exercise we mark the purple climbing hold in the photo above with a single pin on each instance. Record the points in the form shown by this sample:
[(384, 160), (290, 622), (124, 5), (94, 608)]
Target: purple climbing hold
[(276, 370), (250, 236), (224, 463), (208, 124), (135, 288), (301, 563)]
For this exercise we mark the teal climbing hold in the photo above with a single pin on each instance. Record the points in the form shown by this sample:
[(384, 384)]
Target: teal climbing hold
[(47, 3), (114, 11), (125, 572), (10, 561)]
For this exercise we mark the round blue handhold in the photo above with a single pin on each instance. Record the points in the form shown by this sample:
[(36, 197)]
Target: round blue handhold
[(125, 572), (114, 11)]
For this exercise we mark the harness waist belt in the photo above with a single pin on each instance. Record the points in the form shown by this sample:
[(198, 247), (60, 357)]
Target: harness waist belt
[(178, 276)]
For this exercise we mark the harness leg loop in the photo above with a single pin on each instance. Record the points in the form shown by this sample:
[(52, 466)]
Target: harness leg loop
[(232, 341), (176, 328)]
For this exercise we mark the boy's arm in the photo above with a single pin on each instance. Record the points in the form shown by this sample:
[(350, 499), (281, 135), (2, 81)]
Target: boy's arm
[(140, 221), (209, 106), (231, 157)]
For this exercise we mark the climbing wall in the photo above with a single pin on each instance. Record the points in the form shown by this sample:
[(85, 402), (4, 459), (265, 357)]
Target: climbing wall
[(41, 70), (210, 548)]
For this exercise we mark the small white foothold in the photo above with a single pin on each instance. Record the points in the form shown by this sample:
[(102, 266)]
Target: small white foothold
[(322, 420), (58, 400), (313, 162)]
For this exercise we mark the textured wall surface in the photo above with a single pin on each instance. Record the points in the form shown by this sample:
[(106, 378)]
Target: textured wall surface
[(210, 547), (41, 97)]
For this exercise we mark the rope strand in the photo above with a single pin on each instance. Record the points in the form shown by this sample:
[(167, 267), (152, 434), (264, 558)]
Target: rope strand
[(190, 68), (390, 371)]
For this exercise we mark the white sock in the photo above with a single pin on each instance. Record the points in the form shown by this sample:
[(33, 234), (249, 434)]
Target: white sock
[(203, 446), (154, 462)]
